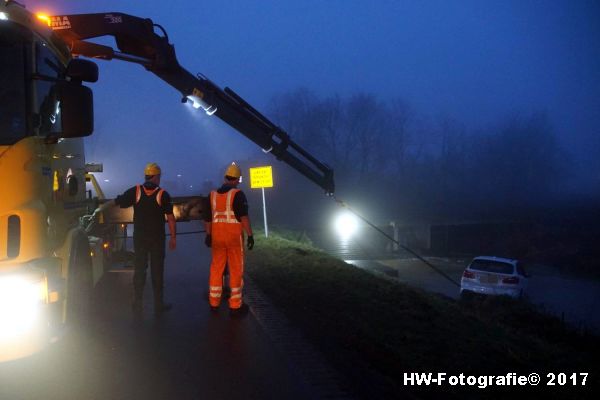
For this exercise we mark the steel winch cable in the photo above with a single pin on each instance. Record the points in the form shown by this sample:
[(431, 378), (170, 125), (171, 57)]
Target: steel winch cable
[(166, 234), (345, 205), (186, 233)]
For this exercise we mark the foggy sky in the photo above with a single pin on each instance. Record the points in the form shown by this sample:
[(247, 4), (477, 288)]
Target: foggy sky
[(474, 61)]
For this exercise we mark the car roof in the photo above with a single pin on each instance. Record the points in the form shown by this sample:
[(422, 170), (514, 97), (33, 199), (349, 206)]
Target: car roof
[(499, 259)]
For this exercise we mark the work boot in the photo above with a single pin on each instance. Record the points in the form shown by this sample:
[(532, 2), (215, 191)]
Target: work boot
[(239, 312), (159, 305)]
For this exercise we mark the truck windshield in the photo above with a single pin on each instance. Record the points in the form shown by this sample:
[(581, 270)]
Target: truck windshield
[(47, 105), (13, 125)]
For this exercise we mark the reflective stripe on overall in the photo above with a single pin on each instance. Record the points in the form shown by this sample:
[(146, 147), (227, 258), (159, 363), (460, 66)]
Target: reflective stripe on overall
[(148, 192), (227, 249)]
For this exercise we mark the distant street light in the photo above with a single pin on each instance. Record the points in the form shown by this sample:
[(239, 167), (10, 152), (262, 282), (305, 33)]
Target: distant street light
[(346, 224)]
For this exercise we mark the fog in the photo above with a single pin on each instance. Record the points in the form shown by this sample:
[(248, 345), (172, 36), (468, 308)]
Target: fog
[(462, 71)]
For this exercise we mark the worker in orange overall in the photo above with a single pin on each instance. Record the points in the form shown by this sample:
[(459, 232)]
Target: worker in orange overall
[(226, 220)]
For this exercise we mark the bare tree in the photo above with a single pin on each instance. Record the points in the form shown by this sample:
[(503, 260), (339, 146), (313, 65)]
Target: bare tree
[(398, 136), (519, 163), (366, 122), (441, 170), (294, 111), (329, 115)]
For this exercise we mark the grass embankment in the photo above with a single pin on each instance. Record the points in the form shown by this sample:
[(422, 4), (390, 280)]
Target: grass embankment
[(393, 328)]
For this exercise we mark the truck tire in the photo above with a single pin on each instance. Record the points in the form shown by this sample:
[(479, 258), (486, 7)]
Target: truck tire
[(79, 282)]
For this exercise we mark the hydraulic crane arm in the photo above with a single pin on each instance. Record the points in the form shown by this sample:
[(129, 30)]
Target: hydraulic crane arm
[(138, 42)]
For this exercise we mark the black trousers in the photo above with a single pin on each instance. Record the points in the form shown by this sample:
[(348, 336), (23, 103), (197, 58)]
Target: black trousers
[(149, 249)]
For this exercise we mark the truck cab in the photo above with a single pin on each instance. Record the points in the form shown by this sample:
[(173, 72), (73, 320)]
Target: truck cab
[(45, 112)]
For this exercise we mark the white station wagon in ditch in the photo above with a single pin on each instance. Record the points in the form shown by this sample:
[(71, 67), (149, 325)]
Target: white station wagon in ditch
[(494, 276)]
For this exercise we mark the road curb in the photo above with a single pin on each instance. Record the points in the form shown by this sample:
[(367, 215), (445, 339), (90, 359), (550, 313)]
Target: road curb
[(321, 381)]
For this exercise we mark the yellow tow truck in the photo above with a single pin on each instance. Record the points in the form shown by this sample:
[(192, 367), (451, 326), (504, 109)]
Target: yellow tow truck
[(48, 262)]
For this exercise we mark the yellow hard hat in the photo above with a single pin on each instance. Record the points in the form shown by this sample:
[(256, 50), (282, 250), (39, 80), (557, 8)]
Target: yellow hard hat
[(233, 170), (152, 169)]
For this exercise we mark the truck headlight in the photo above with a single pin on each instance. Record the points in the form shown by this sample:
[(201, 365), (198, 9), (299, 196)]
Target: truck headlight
[(21, 299)]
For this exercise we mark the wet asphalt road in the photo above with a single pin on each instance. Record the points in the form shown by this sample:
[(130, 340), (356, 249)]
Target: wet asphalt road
[(189, 353)]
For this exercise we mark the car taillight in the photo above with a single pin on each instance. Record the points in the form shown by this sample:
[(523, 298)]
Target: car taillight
[(513, 280), (468, 274)]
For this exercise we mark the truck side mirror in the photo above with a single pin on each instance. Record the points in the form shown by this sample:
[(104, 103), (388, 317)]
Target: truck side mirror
[(80, 70), (77, 109)]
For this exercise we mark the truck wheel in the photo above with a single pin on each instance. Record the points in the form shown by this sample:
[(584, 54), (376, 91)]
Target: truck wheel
[(79, 282)]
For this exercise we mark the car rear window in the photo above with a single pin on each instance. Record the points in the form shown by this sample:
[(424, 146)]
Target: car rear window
[(497, 267)]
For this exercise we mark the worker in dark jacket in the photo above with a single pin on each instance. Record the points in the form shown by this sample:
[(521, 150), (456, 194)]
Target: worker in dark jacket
[(226, 220), (150, 205)]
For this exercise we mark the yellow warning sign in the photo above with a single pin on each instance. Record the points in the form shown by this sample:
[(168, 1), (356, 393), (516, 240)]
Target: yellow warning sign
[(261, 177)]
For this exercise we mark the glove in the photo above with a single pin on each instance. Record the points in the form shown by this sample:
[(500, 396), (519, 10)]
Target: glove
[(96, 216), (250, 242), (208, 240)]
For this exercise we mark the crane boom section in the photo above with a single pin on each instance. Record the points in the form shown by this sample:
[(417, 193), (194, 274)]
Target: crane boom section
[(138, 42)]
